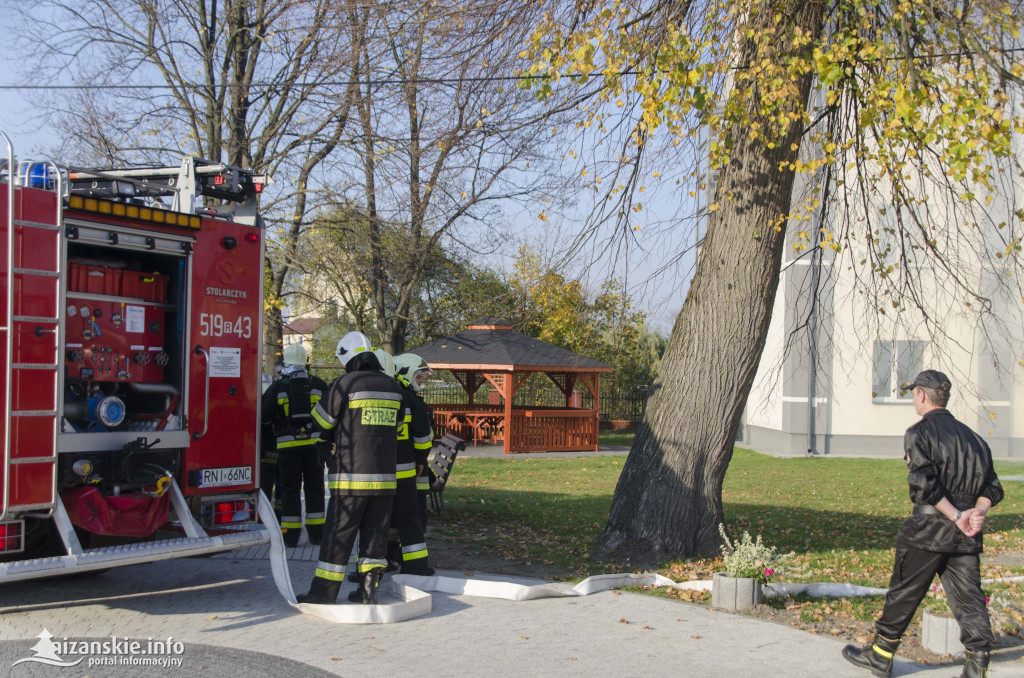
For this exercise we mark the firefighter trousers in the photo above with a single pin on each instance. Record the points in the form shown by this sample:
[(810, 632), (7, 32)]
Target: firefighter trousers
[(370, 516), (423, 482), (405, 517), (960, 573), (298, 468), (268, 482)]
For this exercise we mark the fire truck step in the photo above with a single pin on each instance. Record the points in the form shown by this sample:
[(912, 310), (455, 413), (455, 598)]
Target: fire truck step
[(130, 554)]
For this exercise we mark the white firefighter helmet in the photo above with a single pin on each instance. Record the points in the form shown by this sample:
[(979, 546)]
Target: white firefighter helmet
[(407, 366), (295, 354), (350, 345), (386, 360)]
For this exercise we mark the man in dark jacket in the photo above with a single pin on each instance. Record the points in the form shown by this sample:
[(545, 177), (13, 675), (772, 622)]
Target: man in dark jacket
[(361, 408), (952, 486)]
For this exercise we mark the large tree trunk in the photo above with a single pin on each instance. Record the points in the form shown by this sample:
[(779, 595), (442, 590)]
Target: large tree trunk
[(668, 501)]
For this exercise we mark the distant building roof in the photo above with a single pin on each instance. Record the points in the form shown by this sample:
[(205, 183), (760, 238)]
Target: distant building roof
[(491, 343), (302, 325)]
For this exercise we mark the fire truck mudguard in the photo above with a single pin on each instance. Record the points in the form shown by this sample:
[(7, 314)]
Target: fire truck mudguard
[(130, 375)]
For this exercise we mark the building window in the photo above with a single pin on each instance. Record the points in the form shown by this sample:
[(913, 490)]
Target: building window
[(896, 363)]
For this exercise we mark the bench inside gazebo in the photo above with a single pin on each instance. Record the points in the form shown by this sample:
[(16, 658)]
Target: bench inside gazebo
[(491, 352)]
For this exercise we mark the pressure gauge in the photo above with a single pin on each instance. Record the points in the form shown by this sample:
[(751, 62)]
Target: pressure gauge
[(84, 311), (72, 310)]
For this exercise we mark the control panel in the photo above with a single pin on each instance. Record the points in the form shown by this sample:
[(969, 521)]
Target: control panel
[(118, 341)]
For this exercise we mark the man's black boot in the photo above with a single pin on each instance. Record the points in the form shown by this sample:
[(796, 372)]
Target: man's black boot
[(420, 569), (876, 656), (976, 665), (394, 556), (315, 534), (321, 592), (366, 593), (356, 596)]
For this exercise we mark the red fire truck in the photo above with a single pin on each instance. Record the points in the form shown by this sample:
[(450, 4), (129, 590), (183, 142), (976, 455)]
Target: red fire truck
[(130, 303)]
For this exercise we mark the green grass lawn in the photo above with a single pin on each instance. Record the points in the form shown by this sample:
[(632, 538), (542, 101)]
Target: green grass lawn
[(623, 438), (838, 517)]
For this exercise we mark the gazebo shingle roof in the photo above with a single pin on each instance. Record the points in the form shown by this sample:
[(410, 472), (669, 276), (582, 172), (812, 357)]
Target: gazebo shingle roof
[(487, 344)]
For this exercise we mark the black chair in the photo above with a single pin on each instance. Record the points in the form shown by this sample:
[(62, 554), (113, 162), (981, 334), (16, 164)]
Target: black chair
[(440, 465)]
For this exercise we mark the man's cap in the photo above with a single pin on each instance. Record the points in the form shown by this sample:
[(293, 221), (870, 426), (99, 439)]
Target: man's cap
[(932, 379)]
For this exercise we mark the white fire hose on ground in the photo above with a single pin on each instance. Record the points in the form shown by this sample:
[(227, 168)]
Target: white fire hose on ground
[(415, 601)]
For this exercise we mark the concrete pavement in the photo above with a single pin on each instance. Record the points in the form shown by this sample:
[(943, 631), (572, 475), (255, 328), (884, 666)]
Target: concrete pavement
[(229, 618)]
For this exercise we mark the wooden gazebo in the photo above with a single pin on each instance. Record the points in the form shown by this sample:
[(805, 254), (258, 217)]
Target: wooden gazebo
[(491, 351)]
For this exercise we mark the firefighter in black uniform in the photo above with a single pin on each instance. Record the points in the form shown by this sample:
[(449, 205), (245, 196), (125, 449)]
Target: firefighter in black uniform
[(415, 438), (410, 371), (361, 409), (952, 485), (288, 413), (268, 454)]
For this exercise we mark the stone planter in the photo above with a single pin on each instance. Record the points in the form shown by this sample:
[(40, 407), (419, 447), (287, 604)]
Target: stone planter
[(734, 593), (940, 634)]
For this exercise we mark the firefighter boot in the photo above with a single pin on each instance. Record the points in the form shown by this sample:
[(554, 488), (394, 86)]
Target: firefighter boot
[(321, 592), (367, 591), (876, 657), (394, 555), (976, 665), (291, 536), (315, 533)]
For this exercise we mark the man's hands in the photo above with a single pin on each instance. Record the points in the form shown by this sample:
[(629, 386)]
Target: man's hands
[(971, 522)]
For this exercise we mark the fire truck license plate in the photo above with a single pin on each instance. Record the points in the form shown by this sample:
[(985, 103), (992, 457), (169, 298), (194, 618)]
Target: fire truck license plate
[(219, 477)]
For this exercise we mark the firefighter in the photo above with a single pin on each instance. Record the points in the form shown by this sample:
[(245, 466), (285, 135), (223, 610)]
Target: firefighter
[(411, 371), (415, 435), (288, 413), (268, 451), (361, 409)]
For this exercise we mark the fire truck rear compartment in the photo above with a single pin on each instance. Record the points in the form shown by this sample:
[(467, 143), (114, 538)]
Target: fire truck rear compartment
[(123, 368)]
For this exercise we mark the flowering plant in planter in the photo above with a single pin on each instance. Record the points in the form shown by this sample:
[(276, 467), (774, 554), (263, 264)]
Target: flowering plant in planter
[(748, 558)]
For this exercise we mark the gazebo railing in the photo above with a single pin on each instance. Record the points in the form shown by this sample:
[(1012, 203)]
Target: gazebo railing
[(553, 430)]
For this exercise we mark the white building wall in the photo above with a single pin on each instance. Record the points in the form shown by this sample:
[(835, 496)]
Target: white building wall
[(850, 417)]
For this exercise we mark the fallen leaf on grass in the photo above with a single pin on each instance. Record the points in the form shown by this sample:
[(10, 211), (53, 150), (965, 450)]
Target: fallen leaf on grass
[(695, 637), (648, 628), (624, 621)]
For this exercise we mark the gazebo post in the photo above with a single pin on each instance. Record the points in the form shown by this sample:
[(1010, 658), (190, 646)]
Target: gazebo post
[(509, 395), (597, 409)]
